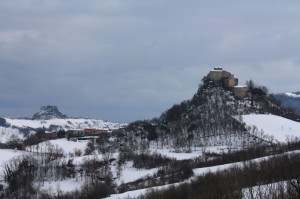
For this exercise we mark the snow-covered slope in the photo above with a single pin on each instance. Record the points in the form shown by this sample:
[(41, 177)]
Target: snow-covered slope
[(67, 146), (278, 127)]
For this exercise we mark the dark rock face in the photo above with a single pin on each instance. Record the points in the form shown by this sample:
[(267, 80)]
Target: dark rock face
[(49, 112)]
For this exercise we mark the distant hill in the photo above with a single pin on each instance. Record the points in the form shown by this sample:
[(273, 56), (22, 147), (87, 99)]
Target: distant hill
[(289, 100), (50, 119), (58, 123), (213, 116)]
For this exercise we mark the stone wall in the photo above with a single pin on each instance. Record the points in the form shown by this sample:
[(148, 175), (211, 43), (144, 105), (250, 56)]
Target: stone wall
[(215, 75), (230, 82), (241, 92)]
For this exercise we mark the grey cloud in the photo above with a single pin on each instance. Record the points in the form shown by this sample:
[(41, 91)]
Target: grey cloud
[(126, 60)]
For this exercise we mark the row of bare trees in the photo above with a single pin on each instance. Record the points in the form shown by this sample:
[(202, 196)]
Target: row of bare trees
[(277, 178), (26, 174)]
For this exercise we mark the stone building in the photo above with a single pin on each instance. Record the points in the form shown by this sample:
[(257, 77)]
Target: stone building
[(228, 81), (241, 92), (226, 78)]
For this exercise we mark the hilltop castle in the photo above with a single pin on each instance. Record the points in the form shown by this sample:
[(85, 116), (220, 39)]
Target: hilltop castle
[(228, 81)]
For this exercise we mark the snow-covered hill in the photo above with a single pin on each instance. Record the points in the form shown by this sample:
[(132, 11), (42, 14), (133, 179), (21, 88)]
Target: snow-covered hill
[(22, 127), (50, 119), (271, 125)]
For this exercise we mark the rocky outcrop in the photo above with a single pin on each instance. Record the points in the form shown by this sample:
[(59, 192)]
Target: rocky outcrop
[(48, 112)]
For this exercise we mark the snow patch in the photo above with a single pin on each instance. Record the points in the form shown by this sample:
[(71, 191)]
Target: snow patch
[(56, 187), (177, 156), (292, 95)]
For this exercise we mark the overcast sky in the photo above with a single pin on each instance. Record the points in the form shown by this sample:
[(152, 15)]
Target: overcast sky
[(123, 60)]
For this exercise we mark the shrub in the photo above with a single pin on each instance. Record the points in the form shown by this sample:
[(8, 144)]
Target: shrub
[(89, 149), (77, 152)]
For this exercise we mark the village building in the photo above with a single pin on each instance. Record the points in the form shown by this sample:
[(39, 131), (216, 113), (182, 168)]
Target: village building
[(228, 81), (91, 131), (86, 132), (75, 133), (50, 135)]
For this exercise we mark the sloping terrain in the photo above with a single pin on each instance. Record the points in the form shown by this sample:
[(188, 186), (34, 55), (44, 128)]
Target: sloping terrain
[(281, 129)]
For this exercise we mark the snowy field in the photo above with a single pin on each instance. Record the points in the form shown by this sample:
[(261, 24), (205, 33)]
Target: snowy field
[(279, 127), (64, 144), (55, 187)]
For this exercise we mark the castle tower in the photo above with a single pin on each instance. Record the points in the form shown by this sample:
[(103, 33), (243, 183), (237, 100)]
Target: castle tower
[(225, 77)]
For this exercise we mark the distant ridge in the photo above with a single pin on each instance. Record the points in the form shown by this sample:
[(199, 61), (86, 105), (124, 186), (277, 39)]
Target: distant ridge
[(50, 119), (293, 94), (49, 112), (289, 100)]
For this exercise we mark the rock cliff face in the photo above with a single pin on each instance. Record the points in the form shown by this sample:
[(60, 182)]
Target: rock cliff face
[(48, 112)]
